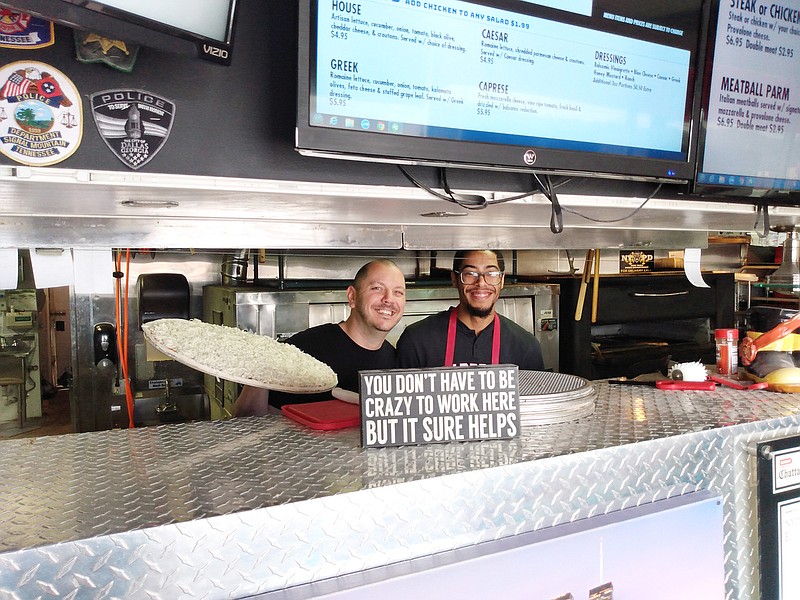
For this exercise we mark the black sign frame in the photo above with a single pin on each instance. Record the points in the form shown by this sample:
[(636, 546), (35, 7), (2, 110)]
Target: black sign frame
[(771, 499), (447, 404)]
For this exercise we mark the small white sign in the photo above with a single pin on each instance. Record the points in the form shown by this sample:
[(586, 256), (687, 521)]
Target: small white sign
[(786, 470)]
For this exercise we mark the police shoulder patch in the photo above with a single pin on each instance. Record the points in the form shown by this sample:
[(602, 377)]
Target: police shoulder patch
[(134, 124)]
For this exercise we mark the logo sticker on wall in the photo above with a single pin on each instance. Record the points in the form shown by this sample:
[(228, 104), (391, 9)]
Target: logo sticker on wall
[(41, 119), (21, 30), (135, 124)]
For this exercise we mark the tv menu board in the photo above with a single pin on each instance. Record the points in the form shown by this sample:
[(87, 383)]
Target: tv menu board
[(752, 131), (591, 86)]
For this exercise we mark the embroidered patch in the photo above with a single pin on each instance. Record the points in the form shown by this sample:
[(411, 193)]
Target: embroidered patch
[(135, 124), (94, 48), (21, 30), (41, 119)]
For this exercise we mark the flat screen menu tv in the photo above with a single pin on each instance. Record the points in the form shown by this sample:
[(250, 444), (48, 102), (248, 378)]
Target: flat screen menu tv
[(204, 29), (593, 87), (750, 140)]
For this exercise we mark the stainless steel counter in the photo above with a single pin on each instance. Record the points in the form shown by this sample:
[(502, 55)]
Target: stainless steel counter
[(234, 508)]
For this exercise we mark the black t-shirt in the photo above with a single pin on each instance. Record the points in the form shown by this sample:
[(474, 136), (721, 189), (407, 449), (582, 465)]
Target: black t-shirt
[(331, 345), (423, 344)]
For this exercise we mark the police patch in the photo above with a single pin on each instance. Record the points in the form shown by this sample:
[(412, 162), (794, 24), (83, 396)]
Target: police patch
[(41, 120), (135, 124), (22, 30)]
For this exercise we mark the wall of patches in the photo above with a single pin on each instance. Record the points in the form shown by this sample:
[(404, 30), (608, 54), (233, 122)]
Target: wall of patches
[(228, 121)]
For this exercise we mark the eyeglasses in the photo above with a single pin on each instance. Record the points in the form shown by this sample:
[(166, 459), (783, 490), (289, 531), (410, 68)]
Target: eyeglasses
[(472, 277)]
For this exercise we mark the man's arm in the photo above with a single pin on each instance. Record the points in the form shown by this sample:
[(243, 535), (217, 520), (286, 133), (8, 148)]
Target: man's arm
[(252, 402)]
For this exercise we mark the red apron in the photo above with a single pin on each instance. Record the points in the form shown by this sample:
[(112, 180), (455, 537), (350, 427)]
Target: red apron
[(450, 350)]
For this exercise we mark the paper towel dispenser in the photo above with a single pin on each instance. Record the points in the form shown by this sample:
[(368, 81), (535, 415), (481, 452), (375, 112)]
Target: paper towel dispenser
[(163, 296)]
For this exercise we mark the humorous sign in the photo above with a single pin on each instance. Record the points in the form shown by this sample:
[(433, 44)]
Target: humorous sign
[(425, 406)]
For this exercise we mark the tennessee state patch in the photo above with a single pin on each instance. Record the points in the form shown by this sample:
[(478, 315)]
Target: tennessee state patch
[(24, 31)]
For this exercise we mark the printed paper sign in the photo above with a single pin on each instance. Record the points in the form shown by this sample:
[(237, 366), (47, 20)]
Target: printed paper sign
[(429, 406), (786, 470), (636, 261)]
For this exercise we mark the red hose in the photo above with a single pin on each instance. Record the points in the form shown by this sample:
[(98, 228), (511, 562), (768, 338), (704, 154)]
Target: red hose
[(122, 329)]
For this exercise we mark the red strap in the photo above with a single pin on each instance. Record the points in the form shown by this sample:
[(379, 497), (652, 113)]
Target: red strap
[(450, 349), (496, 341)]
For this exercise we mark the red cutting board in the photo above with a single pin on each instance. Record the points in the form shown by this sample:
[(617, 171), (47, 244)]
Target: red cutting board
[(327, 415)]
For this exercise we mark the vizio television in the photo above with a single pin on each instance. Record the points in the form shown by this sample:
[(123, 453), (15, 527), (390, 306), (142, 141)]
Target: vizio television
[(586, 87), (201, 28), (750, 125)]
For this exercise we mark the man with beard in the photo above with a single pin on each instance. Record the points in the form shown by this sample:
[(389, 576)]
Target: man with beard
[(471, 333), (377, 298)]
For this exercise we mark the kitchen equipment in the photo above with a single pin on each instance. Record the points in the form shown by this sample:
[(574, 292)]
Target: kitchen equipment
[(727, 350), (585, 277), (546, 398), (596, 285), (626, 381), (169, 405), (677, 385), (236, 355), (737, 385), (786, 278), (641, 320), (751, 344), (326, 415), (687, 371), (773, 356), (162, 296), (105, 344), (669, 384), (13, 372), (345, 395)]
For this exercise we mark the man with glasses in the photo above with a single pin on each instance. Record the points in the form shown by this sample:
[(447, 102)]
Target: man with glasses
[(471, 333)]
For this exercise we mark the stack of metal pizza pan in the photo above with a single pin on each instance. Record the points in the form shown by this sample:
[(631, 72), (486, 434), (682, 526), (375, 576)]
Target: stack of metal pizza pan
[(546, 398)]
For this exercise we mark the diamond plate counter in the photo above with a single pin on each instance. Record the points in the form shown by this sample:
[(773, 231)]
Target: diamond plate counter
[(235, 508)]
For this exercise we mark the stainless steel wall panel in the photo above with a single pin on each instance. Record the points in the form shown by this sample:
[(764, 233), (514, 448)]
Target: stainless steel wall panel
[(88, 231), (235, 508), (539, 236), (53, 207)]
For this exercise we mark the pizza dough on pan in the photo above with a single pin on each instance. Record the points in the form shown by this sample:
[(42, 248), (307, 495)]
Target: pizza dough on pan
[(236, 355)]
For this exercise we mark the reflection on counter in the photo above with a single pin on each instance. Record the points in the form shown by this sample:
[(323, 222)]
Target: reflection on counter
[(408, 463)]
